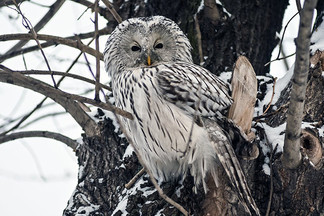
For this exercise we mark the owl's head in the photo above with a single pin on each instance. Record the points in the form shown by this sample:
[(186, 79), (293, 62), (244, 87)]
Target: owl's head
[(145, 41)]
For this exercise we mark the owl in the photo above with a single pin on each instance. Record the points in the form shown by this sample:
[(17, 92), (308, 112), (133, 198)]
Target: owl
[(154, 78)]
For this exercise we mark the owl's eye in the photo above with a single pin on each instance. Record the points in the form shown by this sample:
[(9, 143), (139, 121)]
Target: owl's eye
[(158, 46), (135, 48)]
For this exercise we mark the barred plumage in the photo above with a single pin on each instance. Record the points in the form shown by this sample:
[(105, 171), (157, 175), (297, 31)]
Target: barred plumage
[(154, 78)]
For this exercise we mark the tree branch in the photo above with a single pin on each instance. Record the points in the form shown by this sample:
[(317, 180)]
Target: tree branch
[(102, 11), (57, 73), (54, 39), (112, 11), (63, 98), (49, 43), (291, 155), (46, 134)]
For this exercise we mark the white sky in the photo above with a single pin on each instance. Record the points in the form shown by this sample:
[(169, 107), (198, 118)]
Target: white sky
[(39, 175)]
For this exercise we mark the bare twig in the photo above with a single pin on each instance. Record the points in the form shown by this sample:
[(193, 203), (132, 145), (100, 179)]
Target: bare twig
[(46, 134), (36, 161), (273, 93), (94, 77), (257, 118), (112, 11), (280, 44), (291, 155), (30, 27), (272, 152), (278, 59), (284, 32), (198, 34), (9, 2), (97, 87), (57, 73), (285, 61), (298, 5), (134, 179), (46, 18), (102, 11), (42, 117)]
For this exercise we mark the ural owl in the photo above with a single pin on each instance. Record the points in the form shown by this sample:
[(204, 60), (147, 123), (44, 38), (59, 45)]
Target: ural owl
[(154, 78)]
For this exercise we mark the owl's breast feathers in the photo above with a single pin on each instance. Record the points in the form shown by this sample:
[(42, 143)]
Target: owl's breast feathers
[(163, 100)]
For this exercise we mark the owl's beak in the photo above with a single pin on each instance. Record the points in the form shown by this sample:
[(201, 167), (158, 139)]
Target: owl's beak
[(148, 60)]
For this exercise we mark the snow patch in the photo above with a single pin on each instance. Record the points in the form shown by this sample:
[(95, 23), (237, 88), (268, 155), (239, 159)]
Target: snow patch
[(317, 39), (81, 168), (321, 131), (132, 191), (201, 6), (81, 184), (280, 86), (79, 140), (128, 152), (276, 136), (136, 8), (99, 116), (226, 76), (159, 213), (84, 211), (266, 169), (224, 9), (121, 207)]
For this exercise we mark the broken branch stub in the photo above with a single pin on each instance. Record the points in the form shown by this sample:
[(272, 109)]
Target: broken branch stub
[(244, 92)]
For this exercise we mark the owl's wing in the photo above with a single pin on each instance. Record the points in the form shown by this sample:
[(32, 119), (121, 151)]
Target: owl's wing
[(187, 85)]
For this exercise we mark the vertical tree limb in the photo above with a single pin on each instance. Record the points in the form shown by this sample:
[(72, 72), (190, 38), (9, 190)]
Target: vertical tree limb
[(291, 156), (97, 88)]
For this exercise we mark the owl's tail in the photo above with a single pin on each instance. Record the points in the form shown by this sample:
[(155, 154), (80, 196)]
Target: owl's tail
[(227, 157)]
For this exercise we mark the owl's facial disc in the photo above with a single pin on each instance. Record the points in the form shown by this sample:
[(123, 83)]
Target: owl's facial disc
[(146, 52), (145, 42)]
